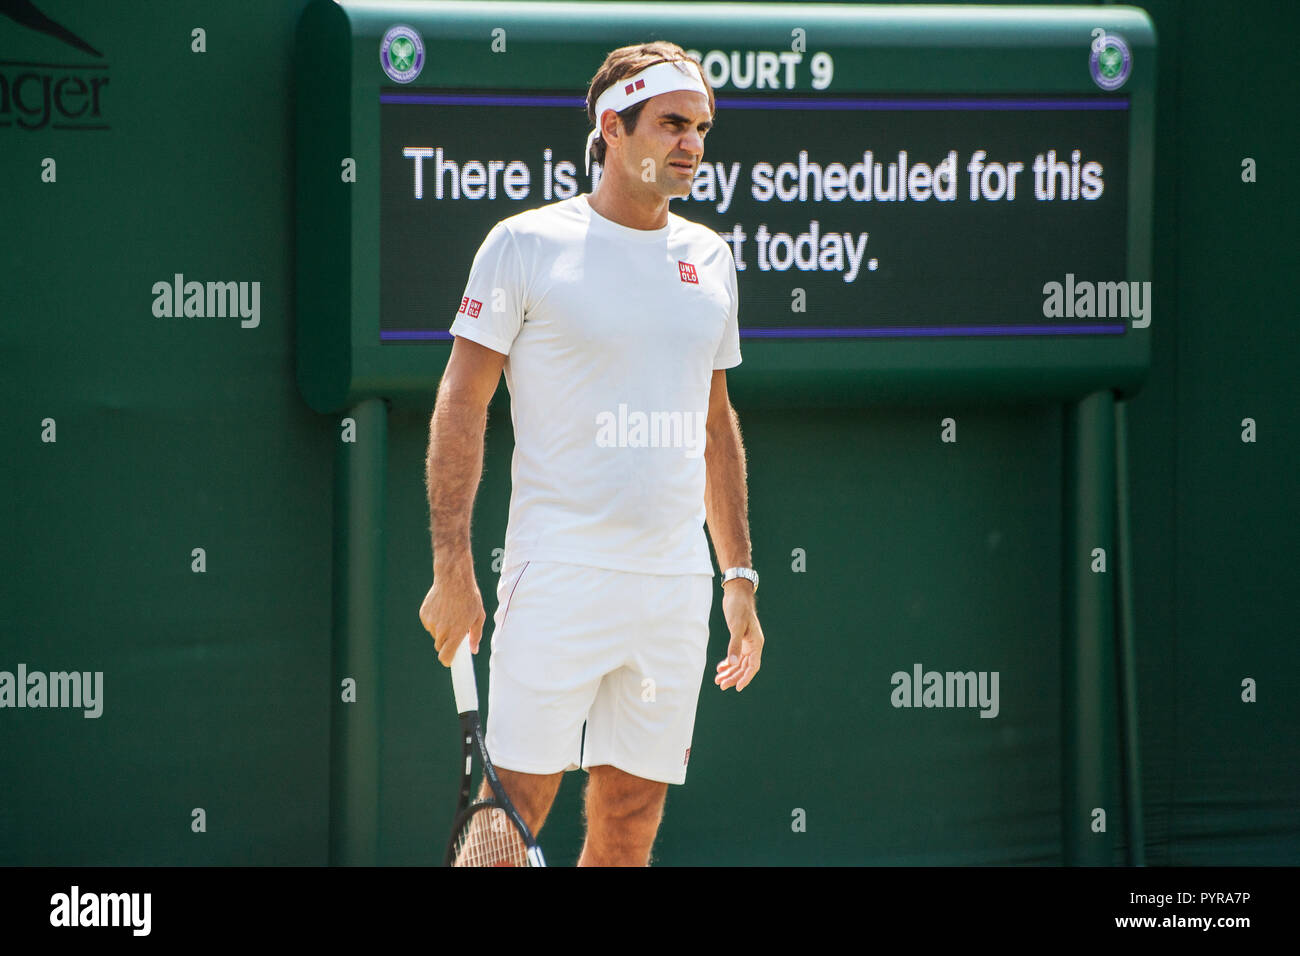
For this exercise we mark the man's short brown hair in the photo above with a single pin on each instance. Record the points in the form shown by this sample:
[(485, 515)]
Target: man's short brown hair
[(623, 62)]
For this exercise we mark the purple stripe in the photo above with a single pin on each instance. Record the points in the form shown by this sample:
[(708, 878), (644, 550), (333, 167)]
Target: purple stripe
[(776, 102), (841, 333), (481, 99), (933, 330), (1005, 103), (406, 334)]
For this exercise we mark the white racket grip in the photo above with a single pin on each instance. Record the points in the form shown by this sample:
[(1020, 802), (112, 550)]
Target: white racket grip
[(462, 678)]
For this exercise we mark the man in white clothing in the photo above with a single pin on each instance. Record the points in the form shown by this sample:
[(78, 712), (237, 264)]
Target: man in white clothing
[(614, 321)]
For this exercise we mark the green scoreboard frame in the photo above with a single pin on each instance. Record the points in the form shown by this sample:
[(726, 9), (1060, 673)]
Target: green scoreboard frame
[(925, 297)]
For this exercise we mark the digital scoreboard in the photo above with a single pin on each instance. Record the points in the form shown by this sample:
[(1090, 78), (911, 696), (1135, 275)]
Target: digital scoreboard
[(921, 202)]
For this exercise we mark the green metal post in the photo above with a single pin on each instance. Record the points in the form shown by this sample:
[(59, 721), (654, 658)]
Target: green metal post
[(1088, 700), (359, 475), (1127, 649)]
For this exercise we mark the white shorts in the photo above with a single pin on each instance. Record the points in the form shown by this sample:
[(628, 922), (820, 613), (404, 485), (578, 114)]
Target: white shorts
[(623, 652)]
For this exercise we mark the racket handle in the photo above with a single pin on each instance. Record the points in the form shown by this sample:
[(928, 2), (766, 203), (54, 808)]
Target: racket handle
[(462, 678)]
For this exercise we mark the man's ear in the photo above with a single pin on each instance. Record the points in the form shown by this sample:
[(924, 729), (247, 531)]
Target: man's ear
[(611, 127)]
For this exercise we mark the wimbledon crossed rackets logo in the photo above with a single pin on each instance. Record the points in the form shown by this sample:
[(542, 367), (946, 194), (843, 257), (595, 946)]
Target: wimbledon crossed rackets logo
[(1110, 61), (402, 54)]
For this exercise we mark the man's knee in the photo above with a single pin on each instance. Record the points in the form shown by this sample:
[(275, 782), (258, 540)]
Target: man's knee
[(617, 797), (531, 793), (623, 816)]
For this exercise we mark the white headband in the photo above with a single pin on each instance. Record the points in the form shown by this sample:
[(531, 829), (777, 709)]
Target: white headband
[(653, 80)]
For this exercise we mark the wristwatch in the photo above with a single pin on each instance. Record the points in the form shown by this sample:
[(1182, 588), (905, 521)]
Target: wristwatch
[(748, 573)]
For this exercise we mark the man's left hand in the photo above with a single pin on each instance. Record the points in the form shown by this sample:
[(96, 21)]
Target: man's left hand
[(745, 650)]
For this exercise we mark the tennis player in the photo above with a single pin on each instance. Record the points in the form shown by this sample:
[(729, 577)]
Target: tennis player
[(615, 321)]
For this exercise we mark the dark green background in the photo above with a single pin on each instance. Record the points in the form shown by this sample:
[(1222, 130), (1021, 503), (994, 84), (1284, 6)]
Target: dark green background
[(175, 434)]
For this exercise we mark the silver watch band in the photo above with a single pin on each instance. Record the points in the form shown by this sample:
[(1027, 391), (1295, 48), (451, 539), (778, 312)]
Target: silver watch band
[(748, 574)]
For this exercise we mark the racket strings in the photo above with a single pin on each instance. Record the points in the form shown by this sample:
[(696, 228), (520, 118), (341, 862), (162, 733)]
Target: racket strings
[(489, 838)]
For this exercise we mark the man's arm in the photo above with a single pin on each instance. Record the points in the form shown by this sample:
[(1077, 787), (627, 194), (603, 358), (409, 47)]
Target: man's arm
[(454, 463), (453, 467), (726, 510), (726, 496)]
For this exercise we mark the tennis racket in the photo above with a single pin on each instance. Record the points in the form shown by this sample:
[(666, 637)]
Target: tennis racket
[(490, 831)]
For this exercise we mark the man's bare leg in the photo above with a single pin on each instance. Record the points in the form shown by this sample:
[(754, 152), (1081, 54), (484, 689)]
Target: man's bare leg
[(531, 793), (623, 815)]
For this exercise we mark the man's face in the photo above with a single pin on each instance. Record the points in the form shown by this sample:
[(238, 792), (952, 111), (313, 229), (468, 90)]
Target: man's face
[(666, 149)]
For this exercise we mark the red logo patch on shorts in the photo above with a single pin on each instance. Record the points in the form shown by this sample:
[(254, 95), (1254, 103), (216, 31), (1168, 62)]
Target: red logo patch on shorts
[(687, 758), (474, 306), (687, 272)]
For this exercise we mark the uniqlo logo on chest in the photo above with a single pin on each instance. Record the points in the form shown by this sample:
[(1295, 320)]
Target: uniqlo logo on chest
[(472, 306), (687, 272)]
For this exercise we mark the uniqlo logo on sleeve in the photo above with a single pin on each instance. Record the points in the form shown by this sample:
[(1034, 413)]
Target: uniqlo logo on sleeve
[(474, 306), (687, 272), (463, 302), (687, 758)]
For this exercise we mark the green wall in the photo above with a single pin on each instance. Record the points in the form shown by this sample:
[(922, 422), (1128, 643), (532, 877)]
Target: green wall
[(175, 434)]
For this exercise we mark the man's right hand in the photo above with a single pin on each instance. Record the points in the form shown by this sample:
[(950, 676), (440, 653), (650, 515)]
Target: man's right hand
[(453, 609)]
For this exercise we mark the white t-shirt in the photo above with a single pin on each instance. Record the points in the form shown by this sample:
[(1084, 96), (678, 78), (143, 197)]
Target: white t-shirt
[(611, 336)]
